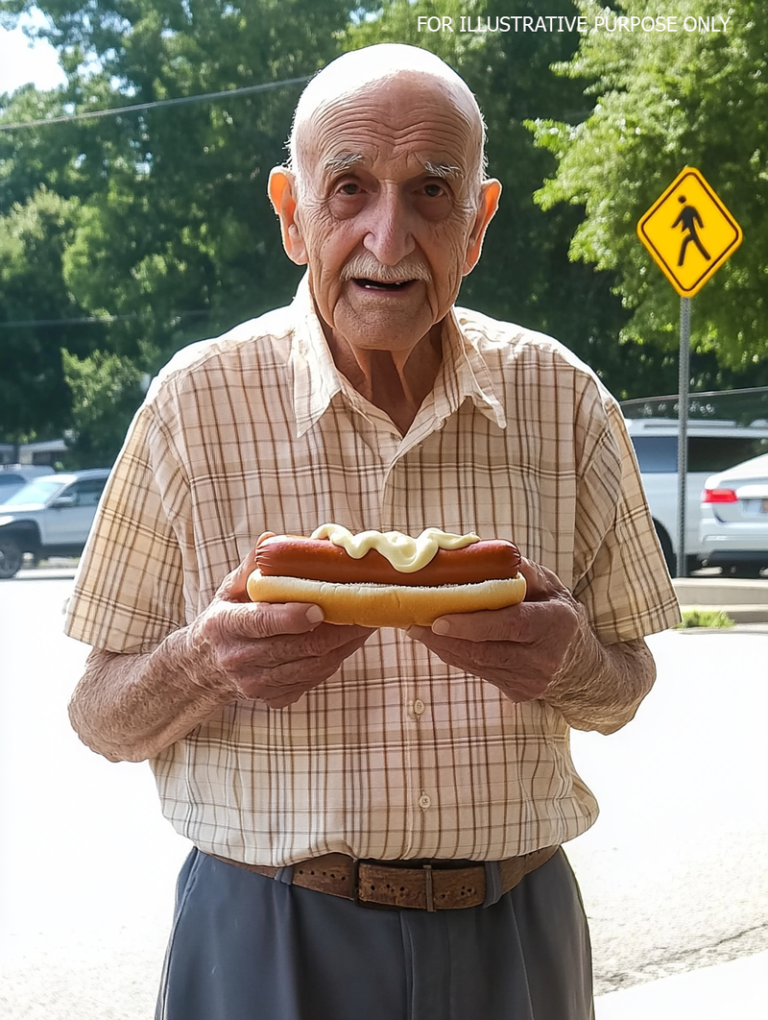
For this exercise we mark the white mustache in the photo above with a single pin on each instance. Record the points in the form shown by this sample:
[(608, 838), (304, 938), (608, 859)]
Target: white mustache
[(367, 267)]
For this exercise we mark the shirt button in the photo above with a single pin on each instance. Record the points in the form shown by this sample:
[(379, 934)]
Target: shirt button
[(418, 706), (424, 801)]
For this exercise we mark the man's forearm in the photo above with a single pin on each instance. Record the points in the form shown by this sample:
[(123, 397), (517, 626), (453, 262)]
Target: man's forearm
[(131, 707), (600, 687)]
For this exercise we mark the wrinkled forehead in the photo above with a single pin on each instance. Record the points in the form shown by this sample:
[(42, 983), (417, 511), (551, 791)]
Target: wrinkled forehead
[(424, 117)]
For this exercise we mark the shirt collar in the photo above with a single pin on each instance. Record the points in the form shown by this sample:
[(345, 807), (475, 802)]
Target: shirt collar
[(464, 374), (316, 380)]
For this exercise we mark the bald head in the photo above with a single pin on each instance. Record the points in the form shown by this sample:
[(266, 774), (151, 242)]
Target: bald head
[(361, 71), (385, 200)]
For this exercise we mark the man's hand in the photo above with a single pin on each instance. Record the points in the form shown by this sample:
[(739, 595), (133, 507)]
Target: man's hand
[(271, 653), (133, 706), (520, 648)]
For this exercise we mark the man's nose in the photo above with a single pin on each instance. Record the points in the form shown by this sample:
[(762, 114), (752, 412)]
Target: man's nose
[(388, 233)]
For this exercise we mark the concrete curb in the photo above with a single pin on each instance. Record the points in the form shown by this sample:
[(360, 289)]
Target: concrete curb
[(739, 614), (745, 601)]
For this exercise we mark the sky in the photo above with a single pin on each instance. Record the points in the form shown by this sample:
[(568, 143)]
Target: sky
[(22, 62)]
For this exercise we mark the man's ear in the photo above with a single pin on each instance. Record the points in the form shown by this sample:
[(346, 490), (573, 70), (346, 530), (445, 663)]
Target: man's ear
[(489, 203), (282, 194)]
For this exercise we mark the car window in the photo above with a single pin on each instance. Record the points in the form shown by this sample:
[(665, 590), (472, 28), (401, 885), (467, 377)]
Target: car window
[(39, 491), (656, 454), (716, 453), (87, 491), (707, 454)]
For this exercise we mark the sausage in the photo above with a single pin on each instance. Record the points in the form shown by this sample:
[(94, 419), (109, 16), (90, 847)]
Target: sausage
[(370, 592), (321, 560)]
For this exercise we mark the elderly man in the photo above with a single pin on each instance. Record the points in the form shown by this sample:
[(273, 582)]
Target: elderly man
[(376, 815)]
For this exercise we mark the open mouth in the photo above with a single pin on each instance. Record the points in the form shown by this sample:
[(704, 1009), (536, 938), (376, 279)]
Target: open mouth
[(397, 285)]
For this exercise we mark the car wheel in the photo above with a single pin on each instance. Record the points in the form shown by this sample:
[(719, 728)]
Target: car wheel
[(11, 557)]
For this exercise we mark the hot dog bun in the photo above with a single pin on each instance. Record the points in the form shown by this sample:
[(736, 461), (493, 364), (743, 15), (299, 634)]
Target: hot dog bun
[(389, 579), (387, 605)]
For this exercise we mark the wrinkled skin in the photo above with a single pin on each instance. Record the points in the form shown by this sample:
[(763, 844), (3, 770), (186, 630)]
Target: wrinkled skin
[(131, 707), (519, 649), (272, 653)]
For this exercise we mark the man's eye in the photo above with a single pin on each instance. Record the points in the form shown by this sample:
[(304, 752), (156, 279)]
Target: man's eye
[(433, 190), (348, 188)]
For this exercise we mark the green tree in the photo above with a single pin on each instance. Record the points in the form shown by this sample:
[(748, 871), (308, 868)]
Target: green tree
[(174, 237), (34, 398), (179, 232), (106, 389), (664, 101)]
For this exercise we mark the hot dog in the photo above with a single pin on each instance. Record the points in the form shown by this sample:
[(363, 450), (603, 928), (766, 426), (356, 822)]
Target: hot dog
[(387, 579)]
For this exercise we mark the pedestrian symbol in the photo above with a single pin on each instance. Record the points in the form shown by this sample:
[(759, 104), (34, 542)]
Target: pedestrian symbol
[(689, 232), (688, 219)]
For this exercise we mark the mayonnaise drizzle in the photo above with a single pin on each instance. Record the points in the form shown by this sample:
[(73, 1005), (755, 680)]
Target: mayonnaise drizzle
[(406, 554)]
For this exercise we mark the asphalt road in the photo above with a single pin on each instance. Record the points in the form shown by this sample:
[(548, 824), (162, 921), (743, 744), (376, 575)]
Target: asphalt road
[(672, 873)]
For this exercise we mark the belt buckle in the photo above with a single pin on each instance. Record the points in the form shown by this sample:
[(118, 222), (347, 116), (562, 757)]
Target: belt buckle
[(427, 870)]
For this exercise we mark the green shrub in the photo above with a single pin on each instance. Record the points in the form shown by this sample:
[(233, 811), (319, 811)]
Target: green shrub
[(704, 618)]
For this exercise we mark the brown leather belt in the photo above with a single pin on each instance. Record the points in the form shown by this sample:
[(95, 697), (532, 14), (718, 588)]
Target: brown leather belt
[(437, 885)]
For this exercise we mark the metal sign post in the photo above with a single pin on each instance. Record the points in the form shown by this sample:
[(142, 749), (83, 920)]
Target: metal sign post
[(689, 233), (682, 433)]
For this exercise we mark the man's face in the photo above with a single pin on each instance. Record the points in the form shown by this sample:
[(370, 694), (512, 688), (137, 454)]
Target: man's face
[(390, 213)]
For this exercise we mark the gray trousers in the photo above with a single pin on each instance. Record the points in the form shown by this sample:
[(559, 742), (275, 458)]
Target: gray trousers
[(244, 947)]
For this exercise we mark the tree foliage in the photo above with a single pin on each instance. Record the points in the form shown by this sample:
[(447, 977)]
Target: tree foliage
[(33, 241), (106, 390), (665, 101), (174, 237)]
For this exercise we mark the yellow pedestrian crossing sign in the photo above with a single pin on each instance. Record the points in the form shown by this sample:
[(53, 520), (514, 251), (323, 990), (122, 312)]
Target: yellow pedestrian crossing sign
[(689, 232)]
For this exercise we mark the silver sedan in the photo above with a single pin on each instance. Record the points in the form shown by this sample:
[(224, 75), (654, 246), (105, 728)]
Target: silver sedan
[(733, 526)]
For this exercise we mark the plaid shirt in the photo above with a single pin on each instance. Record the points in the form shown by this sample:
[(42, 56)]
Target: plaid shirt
[(397, 755)]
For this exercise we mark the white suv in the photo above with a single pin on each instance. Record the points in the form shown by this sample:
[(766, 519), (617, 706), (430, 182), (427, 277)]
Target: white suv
[(712, 446), (50, 516)]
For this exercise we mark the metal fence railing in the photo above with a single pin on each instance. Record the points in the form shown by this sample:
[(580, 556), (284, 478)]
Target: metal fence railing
[(743, 407)]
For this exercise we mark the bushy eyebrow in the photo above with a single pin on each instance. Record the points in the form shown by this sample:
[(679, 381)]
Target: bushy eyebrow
[(345, 161), (341, 163), (444, 170)]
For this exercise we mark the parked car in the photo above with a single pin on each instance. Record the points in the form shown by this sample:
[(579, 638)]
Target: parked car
[(712, 446), (49, 516), (15, 476), (733, 526)]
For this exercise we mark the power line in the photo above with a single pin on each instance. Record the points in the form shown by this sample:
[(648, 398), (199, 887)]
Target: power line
[(117, 110), (89, 320), (80, 321)]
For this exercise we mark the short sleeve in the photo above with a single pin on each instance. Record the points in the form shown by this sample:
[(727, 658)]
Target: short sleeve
[(128, 592), (625, 584)]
